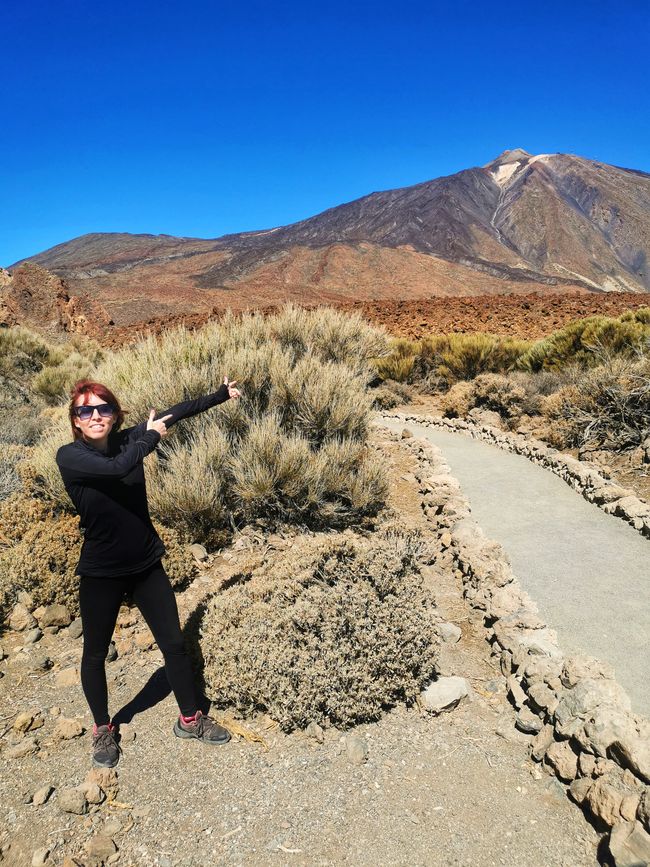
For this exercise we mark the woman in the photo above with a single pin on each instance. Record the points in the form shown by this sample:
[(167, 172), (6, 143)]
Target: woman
[(103, 474)]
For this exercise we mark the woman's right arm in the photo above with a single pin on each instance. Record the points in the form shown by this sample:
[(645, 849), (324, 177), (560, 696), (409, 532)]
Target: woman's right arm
[(90, 463)]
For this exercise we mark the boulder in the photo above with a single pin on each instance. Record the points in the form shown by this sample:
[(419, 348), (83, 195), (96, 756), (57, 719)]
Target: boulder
[(629, 845)]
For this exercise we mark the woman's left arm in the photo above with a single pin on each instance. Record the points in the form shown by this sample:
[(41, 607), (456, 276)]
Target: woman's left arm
[(188, 408)]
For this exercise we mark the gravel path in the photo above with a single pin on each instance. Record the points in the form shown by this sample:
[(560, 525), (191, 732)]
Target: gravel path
[(588, 572)]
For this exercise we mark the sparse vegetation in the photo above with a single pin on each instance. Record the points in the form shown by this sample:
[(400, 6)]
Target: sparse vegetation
[(334, 630)]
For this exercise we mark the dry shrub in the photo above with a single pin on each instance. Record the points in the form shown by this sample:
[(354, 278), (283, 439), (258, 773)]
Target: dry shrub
[(10, 480), (457, 357), (303, 377), (605, 407), (43, 562), (458, 401), (390, 394), (53, 383), (499, 393), (334, 630), (179, 563)]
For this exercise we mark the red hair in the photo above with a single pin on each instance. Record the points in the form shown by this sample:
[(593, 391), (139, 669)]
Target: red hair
[(86, 387)]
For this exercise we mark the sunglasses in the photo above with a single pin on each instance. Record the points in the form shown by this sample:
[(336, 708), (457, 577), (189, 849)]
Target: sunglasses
[(86, 411)]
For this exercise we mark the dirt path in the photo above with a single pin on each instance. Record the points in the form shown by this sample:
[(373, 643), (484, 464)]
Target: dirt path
[(445, 790)]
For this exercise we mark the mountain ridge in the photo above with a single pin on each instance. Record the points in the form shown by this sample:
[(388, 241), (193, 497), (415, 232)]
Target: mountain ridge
[(520, 223)]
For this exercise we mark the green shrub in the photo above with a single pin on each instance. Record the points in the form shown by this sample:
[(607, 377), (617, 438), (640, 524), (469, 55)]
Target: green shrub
[(398, 366), (590, 341), (334, 630), (457, 357)]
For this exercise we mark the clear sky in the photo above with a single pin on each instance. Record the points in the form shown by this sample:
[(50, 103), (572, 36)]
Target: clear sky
[(202, 118)]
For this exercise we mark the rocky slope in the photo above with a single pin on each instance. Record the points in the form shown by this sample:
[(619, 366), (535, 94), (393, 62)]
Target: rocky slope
[(521, 223)]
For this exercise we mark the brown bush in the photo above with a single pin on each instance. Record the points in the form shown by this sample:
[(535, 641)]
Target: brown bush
[(391, 393), (335, 629), (458, 401)]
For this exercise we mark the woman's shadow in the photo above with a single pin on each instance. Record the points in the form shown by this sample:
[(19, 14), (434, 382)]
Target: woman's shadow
[(157, 688)]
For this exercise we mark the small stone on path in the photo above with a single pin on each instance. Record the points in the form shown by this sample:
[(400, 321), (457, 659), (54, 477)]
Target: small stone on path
[(68, 677), (22, 749), (72, 801), (40, 856), (41, 795), (446, 693), (66, 729), (75, 630), (101, 846), (357, 749), (449, 632)]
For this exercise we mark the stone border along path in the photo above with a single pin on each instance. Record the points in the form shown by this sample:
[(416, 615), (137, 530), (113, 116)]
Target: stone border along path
[(584, 730), (583, 476)]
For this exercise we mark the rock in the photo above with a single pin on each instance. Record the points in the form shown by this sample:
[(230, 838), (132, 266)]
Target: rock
[(579, 789), (42, 795), (198, 552), (112, 827), (144, 640), (632, 752), (586, 764), (449, 632), (357, 749), (41, 663), (40, 856), (629, 807), (54, 615), (55, 710), (581, 666), (562, 758), (22, 749), (32, 636), (445, 539), (72, 801), (94, 794), (528, 722), (101, 847), (407, 434), (506, 730), (66, 729), (26, 599), (23, 721), (106, 779), (519, 697), (127, 733), (314, 731), (20, 618), (111, 656), (2, 653), (75, 630), (541, 742), (605, 801), (69, 862), (643, 810), (543, 697), (68, 676), (629, 845), (445, 694)]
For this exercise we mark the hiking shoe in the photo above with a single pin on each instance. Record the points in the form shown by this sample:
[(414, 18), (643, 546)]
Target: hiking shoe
[(203, 728), (106, 750)]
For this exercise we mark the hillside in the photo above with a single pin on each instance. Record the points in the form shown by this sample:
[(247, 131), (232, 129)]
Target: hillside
[(522, 223)]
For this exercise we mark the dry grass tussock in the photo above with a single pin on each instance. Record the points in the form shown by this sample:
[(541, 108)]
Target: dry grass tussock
[(335, 629), (292, 449)]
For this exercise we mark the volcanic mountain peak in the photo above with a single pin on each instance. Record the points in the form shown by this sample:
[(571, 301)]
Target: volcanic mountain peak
[(523, 222)]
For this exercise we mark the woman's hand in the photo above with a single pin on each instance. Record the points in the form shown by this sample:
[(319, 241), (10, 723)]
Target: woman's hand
[(158, 425), (231, 383)]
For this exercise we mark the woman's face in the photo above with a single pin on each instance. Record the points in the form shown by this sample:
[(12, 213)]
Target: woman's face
[(97, 427)]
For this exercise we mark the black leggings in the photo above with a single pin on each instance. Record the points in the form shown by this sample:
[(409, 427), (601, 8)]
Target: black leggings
[(99, 601)]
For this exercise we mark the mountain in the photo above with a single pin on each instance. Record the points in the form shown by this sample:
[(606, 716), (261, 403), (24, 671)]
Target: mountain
[(521, 223)]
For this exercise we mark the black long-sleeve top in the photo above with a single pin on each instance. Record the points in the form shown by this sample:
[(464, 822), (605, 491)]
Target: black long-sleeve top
[(109, 493)]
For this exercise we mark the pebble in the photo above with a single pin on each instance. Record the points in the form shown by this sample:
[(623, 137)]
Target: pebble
[(314, 731), (101, 846), (66, 729), (40, 856), (41, 795), (75, 630), (357, 749), (68, 677), (445, 693), (32, 636), (22, 749), (72, 801), (449, 632)]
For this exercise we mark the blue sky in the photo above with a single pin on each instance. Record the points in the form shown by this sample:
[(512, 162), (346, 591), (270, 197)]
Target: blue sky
[(199, 119)]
